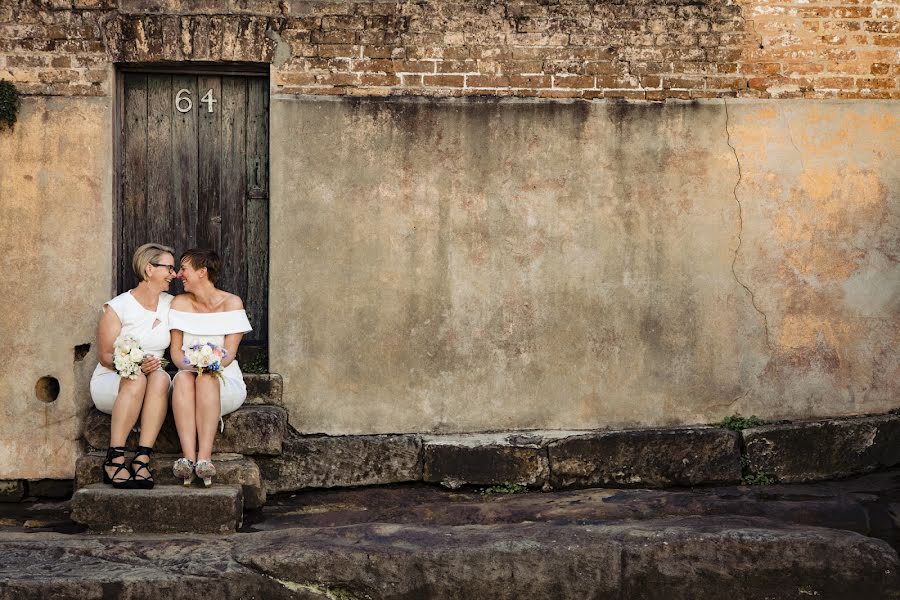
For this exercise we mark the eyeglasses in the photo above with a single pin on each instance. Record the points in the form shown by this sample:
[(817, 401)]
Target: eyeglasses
[(171, 268)]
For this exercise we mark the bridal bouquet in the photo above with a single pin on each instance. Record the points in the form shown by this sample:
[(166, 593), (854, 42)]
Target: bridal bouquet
[(206, 358), (127, 357)]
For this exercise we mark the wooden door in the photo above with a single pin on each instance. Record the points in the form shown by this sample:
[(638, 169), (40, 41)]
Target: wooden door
[(194, 173)]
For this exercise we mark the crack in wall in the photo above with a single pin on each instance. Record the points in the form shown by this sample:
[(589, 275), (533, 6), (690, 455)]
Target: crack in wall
[(741, 225), (787, 125)]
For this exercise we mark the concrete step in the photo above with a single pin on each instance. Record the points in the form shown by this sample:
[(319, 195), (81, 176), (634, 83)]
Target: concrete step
[(164, 509), (249, 430), (233, 469)]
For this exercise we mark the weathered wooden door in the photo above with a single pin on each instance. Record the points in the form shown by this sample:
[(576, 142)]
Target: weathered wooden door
[(194, 173)]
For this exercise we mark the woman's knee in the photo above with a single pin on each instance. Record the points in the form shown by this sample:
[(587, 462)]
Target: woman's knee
[(158, 381), (207, 389), (183, 380), (133, 388)]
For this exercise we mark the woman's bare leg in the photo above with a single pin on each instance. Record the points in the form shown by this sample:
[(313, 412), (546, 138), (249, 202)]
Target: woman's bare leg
[(125, 411), (184, 410), (208, 413), (152, 416), (126, 408), (156, 404)]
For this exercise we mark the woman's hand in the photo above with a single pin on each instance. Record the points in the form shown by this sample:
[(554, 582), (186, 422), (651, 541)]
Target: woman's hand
[(150, 364), (175, 351)]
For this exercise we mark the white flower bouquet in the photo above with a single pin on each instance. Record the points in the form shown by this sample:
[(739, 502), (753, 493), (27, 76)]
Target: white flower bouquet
[(206, 358), (128, 356)]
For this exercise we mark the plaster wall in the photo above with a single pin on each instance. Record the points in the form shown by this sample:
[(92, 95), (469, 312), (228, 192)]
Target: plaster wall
[(451, 265), (55, 255), (446, 266)]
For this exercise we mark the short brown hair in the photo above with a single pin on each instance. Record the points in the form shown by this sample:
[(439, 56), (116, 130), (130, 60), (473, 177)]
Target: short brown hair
[(204, 257), (147, 254)]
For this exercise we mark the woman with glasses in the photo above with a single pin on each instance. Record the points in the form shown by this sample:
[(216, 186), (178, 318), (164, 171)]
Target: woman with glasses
[(204, 315), (143, 313)]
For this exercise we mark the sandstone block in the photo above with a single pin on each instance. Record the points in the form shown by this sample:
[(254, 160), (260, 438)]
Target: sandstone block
[(264, 389), (232, 469), (453, 462), (646, 458), (11, 490), (826, 449), (325, 462), (249, 430), (668, 559), (164, 509), (50, 488)]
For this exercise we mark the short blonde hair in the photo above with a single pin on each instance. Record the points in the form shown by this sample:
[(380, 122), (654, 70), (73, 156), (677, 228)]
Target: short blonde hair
[(145, 255)]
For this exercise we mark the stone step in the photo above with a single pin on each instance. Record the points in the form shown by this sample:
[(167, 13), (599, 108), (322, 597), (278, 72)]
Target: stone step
[(321, 461), (233, 469), (249, 430), (823, 449), (702, 557), (267, 389), (164, 509)]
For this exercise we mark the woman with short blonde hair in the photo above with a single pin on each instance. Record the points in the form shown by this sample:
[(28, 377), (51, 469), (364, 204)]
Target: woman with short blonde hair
[(143, 313)]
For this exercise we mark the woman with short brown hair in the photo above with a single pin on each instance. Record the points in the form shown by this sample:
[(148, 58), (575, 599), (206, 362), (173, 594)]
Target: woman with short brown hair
[(204, 315)]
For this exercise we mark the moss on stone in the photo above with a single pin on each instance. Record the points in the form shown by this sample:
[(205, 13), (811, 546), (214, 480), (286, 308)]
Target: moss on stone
[(9, 103)]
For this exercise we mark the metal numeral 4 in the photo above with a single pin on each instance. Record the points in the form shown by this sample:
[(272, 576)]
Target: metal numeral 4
[(184, 104)]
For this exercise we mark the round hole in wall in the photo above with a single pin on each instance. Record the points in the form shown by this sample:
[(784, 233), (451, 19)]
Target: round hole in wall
[(47, 389)]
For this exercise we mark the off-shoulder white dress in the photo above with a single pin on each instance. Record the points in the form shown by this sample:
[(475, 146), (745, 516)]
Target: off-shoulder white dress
[(139, 322), (200, 328)]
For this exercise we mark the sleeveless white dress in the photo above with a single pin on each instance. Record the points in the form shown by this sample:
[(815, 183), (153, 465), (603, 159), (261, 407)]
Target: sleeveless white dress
[(136, 321), (200, 328)]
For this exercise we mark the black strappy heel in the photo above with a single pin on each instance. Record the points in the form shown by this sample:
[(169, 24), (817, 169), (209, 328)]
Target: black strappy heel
[(117, 452), (142, 482)]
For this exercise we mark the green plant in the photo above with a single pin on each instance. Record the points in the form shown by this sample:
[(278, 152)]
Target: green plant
[(9, 102), (503, 488), (757, 479), (257, 363), (737, 422), (749, 477)]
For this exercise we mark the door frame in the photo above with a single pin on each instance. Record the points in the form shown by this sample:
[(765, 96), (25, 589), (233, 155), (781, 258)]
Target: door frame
[(172, 68)]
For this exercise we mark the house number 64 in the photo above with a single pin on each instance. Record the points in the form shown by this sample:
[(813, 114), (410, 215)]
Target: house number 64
[(184, 104)]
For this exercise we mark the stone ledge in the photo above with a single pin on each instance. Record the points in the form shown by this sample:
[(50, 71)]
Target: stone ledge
[(825, 449), (164, 509), (232, 469), (646, 458), (325, 462), (516, 458), (249, 430)]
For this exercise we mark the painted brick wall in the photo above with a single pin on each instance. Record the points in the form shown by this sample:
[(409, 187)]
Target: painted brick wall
[(631, 49)]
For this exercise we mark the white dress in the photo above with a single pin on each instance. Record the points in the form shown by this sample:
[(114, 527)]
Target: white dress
[(200, 328), (136, 321)]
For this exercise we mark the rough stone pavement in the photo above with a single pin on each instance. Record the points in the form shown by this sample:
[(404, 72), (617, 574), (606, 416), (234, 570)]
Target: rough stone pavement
[(827, 540)]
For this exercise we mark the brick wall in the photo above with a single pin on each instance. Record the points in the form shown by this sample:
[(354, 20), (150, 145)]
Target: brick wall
[(631, 49)]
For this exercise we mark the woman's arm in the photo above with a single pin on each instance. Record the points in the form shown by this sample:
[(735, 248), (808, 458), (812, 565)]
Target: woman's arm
[(232, 340), (107, 332), (175, 351)]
